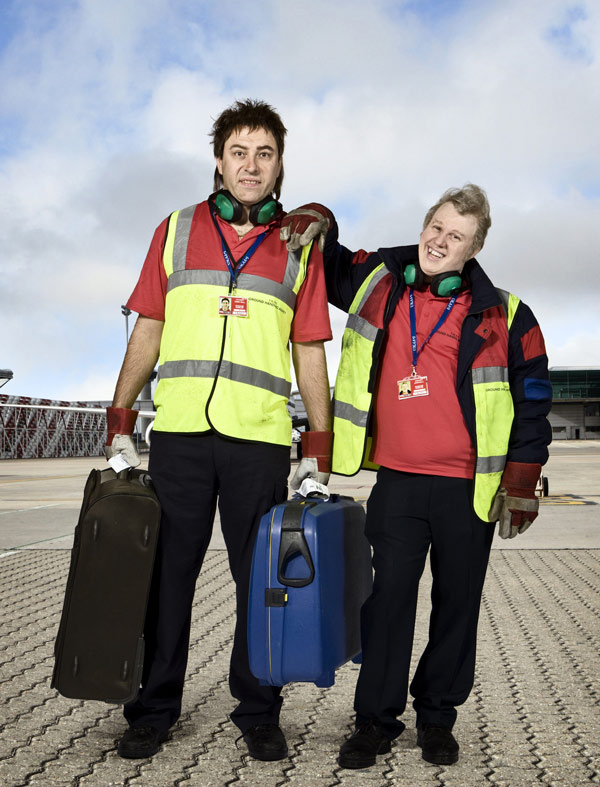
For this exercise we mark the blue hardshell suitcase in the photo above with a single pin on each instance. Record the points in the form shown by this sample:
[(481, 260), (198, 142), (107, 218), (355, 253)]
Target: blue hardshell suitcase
[(311, 573)]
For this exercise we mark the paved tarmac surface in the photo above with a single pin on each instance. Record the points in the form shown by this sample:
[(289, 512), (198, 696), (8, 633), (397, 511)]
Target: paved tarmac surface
[(533, 716)]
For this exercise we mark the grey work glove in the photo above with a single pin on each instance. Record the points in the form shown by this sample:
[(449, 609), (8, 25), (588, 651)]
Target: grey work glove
[(302, 225), (316, 461), (120, 449), (515, 505), (514, 514), (308, 468), (122, 453)]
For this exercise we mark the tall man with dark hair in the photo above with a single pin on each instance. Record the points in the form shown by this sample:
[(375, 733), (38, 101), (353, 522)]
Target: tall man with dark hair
[(219, 300), (443, 385)]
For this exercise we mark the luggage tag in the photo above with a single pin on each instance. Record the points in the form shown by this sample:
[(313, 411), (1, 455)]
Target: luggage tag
[(414, 385), (309, 488), (233, 306), (118, 463)]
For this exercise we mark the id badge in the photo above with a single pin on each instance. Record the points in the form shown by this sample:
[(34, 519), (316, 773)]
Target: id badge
[(233, 306), (415, 385)]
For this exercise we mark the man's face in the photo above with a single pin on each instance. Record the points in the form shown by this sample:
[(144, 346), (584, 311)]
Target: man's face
[(250, 165), (447, 241)]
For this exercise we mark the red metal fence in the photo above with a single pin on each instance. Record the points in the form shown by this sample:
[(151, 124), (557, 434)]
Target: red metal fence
[(35, 428)]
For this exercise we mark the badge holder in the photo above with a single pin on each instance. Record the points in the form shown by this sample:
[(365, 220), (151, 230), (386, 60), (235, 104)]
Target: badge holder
[(233, 306), (414, 385)]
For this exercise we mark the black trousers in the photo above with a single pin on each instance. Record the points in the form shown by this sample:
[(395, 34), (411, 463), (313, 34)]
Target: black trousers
[(408, 514), (191, 474)]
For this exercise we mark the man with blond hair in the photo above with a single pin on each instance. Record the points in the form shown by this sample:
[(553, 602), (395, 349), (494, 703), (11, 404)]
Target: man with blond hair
[(442, 385)]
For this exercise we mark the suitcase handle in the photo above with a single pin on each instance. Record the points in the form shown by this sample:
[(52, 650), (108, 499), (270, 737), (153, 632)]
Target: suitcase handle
[(293, 543)]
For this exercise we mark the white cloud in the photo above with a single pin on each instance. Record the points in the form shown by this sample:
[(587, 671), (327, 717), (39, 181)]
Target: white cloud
[(107, 110)]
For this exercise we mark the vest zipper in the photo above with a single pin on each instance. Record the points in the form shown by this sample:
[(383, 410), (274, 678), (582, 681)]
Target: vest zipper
[(214, 385)]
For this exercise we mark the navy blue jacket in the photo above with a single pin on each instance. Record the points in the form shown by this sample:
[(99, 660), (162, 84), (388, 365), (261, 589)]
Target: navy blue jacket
[(529, 382)]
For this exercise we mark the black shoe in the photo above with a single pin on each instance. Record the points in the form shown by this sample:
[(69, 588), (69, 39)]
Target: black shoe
[(438, 743), (266, 742), (140, 742), (363, 746)]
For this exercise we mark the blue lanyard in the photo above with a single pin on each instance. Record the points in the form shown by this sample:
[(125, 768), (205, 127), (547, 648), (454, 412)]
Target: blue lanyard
[(413, 325), (233, 268)]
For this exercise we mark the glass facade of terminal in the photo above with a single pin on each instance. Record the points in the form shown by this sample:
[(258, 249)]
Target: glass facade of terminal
[(575, 413), (573, 383)]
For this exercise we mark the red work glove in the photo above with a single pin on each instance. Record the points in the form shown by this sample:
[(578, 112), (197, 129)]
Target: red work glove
[(302, 225), (316, 458), (120, 424), (515, 504)]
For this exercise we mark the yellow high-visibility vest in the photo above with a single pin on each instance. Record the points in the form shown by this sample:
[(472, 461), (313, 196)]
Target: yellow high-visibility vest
[(227, 373), (353, 394)]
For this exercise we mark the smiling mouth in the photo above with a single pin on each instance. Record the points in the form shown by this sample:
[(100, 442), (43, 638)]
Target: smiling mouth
[(250, 182), (437, 254)]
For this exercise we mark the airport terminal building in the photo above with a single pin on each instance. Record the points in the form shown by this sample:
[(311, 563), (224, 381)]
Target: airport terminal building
[(575, 413), (44, 428)]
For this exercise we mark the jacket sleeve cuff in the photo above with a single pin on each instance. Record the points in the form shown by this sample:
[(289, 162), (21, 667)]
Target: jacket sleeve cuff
[(520, 478), (119, 420), (318, 445)]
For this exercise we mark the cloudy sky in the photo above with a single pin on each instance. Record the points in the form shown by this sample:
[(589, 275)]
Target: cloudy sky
[(106, 105)]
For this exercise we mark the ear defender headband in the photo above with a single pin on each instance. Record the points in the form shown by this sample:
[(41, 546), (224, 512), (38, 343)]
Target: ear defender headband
[(229, 209), (442, 285)]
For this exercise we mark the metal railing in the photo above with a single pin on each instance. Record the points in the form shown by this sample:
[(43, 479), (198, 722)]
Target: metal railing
[(36, 428)]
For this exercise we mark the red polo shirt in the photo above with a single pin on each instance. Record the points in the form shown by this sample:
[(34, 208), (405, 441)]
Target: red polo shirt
[(311, 315), (423, 434)]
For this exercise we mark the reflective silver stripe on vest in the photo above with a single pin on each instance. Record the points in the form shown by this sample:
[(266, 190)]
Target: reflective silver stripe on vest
[(232, 371), (171, 369), (490, 464), (350, 413), (371, 286), (246, 281), (182, 237), (255, 377), (181, 277), (490, 374), (292, 267), (363, 328)]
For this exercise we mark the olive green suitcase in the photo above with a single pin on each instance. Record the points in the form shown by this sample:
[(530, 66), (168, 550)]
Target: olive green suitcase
[(99, 648)]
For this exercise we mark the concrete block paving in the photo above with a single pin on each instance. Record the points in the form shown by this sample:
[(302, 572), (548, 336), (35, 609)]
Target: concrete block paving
[(532, 718)]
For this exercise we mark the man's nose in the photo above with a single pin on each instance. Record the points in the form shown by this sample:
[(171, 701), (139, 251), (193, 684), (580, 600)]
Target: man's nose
[(252, 164)]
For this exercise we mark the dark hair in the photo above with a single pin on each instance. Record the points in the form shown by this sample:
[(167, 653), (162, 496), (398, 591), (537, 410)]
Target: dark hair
[(250, 114), (470, 200)]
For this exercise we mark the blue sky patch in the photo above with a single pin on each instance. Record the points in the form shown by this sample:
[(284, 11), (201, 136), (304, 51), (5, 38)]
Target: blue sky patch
[(567, 37), (428, 10)]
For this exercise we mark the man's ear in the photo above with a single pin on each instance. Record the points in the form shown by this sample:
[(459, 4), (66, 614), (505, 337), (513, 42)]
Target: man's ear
[(219, 165)]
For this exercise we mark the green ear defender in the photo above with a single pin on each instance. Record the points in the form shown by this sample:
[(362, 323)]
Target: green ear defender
[(231, 210), (410, 274), (442, 285), (227, 206), (263, 211)]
